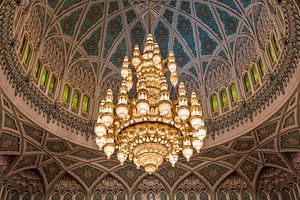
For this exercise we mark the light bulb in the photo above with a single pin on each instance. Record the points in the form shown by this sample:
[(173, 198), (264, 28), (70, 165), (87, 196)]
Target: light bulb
[(183, 113), (150, 168), (172, 66), (122, 157), (107, 119), (197, 144), (135, 61), (165, 108), (201, 133), (100, 130), (174, 79), (196, 121), (129, 83), (101, 142), (173, 159), (109, 149), (122, 111), (156, 58), (143, 107), (187, 152), (124, 71)]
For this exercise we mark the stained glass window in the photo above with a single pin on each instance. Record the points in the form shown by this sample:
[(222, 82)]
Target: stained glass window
[(274, 196), (75, 100), (37, 69), (224, 99), (44, 77), (285, 195), (66, 94), (203, 196), (233, 93), (246, 83), (138, 196), (27, 55), (79, 196), (121, 196), (221, 196), (262, 195), (245, 196), (85, 104), (254, 75), (163, 196), (180, 196), (68, 196), (38, 196), (271, 53), (55, 196), (23, 45), (52, 85), (275, 44), (233, 196), (109, 196), (214, 103), (261, 67), (97, 196), (192, 196)]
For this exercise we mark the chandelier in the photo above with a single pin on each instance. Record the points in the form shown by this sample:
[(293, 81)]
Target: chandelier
[(150, 128)]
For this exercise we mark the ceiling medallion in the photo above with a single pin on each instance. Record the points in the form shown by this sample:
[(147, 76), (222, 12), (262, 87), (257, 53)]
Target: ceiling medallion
[(150, 128)]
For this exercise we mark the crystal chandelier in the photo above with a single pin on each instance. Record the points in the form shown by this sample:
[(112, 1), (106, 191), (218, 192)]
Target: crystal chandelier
[(150, 128)]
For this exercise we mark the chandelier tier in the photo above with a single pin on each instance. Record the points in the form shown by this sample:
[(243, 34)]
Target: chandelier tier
[(150, 128)]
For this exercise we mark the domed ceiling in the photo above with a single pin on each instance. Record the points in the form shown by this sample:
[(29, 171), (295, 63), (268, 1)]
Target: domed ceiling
[(205, 35)]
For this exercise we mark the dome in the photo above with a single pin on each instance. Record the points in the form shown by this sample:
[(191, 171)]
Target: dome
[(59, 57)]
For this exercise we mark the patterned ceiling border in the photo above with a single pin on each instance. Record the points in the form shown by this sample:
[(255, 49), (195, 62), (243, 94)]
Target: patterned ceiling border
[(274, 85)]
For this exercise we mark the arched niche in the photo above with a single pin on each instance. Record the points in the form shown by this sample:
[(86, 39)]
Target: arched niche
[(66, 186), (109, 187), (25, 185), (192, 187), (151, 188), (276, 183)]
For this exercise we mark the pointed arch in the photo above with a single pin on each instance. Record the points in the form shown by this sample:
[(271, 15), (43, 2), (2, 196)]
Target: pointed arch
[(224, 99), (247, 85)]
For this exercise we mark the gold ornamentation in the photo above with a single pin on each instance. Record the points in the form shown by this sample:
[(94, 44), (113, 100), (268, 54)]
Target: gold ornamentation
[(150, 128)]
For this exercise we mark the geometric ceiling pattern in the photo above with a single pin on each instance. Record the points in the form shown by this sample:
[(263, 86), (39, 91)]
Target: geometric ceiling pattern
[(203, 34), (26, 151)]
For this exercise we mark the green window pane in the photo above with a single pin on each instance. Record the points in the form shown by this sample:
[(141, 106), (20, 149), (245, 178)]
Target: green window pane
[(27, 55), (214, 103), (221, 196), (247, 83), (97, 196), (261, 67), (224, 98), (275, 44), (23, 45), (255, 76), (66, 94), (271, 53), (180, 196), (203, 196), (37, 69), (85, 104), (121, 196), (109, 196), (44, 77), (245, 196), (75, 100), (233, 93), (52, 84), (233, 196)]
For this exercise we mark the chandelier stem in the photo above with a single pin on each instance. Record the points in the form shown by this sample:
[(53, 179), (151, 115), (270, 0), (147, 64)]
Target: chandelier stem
[(149, 17)]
